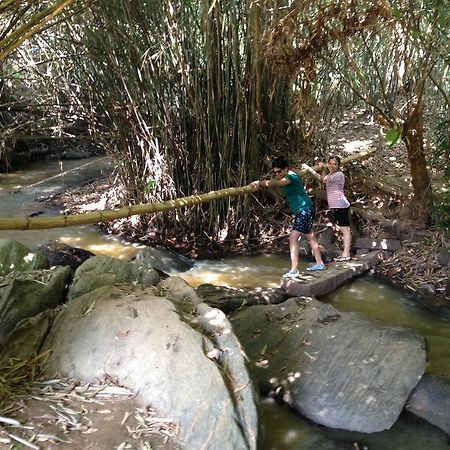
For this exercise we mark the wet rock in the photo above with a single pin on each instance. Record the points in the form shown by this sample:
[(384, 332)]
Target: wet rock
[(16, 257), (60, 254), (341, 370), (106, 271), (186, 364), (24, 295), (230, 299), (163, 259), (26, 339), (430, 400)]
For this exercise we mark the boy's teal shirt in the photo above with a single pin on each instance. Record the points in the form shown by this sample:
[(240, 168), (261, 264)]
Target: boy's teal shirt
[(295, 193)]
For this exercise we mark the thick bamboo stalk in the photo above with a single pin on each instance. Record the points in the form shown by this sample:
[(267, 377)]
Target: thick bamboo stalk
[(39, 223), (43, 222)]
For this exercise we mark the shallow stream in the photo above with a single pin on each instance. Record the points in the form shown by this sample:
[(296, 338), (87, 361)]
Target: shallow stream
[(19, 195)]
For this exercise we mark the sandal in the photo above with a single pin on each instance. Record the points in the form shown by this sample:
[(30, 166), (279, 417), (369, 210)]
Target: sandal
[(343, 258)]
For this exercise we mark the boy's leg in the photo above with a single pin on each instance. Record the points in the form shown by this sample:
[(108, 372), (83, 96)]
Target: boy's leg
[(294, 249)]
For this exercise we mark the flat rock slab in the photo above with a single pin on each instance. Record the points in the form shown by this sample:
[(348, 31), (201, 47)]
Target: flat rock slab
[(342, 370), (316, 284)]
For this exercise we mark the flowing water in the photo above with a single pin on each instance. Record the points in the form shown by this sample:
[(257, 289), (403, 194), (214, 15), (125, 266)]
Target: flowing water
[(284, 430)]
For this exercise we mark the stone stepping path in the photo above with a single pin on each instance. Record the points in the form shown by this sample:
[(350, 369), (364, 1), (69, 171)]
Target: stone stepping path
[(316, 284)]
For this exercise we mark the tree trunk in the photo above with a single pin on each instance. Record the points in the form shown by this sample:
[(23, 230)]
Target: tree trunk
[(413, 138)]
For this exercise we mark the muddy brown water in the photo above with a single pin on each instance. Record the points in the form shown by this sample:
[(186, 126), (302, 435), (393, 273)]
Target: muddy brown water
[(284, 430)]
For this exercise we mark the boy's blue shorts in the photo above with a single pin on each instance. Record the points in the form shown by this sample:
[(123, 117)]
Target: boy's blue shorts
[(303, 221)]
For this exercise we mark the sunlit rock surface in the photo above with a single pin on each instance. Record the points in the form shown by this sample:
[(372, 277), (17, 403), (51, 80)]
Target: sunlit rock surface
[(342, 370)]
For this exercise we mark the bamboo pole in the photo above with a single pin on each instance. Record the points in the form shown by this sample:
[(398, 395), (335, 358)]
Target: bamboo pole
[(43, 222), (39, 223)]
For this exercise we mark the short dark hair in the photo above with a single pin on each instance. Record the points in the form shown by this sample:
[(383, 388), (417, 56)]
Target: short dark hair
[(281, 162), (336, 158)]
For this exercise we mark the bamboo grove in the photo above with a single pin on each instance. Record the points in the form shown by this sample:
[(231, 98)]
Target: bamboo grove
[(191, 97)]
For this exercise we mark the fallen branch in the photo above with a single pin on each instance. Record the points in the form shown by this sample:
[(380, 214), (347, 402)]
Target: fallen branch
[(396, 225)]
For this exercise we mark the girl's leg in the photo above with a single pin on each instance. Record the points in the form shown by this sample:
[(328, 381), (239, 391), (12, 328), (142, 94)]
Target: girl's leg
[(294, 249), (315, 249), (347, 235)]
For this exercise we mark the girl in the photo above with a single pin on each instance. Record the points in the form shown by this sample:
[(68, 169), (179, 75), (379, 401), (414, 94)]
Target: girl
[(337, 202)]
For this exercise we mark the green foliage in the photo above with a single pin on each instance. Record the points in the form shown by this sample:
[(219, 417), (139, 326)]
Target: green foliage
[(393, 136)]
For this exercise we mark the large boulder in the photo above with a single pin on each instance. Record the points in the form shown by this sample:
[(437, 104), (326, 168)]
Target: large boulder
[(106, 271), (25, 294), (16, 257), (341, 370), (186, 363), (60, 254)]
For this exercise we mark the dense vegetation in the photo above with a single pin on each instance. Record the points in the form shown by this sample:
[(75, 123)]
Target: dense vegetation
[(190, 97)]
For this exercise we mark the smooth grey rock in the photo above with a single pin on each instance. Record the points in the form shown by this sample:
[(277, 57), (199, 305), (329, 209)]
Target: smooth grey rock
[(26, 340), (430, 400), (187, 365), (163, 259), (230, 299), (106, 271), (25, 294), (16, 257), (341, 370), (60, 254)]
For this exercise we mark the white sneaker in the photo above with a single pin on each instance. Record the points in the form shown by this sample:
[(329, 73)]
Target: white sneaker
[(291, 274)]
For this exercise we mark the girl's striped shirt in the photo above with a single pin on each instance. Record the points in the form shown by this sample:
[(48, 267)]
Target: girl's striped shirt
[(335, 190)]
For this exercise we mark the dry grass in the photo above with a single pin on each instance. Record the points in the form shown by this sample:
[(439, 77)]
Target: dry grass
[(66, 414)]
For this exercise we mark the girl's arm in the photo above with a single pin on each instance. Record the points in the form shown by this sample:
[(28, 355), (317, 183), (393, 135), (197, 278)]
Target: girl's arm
[(312, 172)]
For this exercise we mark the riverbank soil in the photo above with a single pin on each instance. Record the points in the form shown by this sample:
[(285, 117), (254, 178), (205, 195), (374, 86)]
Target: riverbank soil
[(380, 193)]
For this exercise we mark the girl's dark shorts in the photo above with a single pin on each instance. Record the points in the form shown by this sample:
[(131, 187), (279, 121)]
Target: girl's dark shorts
[(303, 221), (341, 216)]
